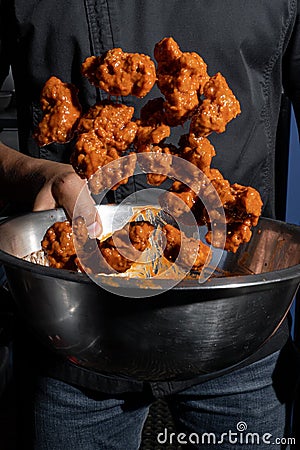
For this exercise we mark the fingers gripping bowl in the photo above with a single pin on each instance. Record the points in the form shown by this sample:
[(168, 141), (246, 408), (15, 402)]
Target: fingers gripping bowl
[(191, 329)]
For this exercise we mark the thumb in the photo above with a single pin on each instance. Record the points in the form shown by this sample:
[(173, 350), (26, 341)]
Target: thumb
[(85, 207), (44, 200), (72, 193)]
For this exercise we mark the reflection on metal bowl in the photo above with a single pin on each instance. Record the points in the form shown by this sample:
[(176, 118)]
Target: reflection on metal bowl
[(5, 99), (191, 329)]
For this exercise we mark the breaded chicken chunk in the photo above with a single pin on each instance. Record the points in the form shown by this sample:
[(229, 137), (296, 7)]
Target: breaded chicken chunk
[(218, 108), (181, 77), (121, 73), (187, 252), (61, 108)]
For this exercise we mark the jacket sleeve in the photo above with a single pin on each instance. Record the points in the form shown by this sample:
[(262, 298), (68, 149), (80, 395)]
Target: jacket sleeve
[(4, 41), (291, 68)]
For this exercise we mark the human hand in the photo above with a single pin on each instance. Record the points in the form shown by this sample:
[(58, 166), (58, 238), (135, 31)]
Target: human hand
[(61, 187)]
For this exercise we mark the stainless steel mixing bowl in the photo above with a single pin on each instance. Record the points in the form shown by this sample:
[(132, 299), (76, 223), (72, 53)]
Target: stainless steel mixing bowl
[(191, 329)]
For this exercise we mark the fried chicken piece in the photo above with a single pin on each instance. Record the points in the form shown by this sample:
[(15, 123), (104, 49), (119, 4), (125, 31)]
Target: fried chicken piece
[(152, 128), (120, 73), (222, 187), (120, 250), (155, 179), (69, 246), (59, 247), (217, 110), (180, 77), (61, 109), (105, 132), (207, 198), (156, 163), (89, 154), (124, 247), (103, 167), (152, 131), (115, 171), (247, 205), (187, 252), (241, 203), (111, 123), (179, 200), (198, 151), (237, 234), (242, 206), (114, 260)]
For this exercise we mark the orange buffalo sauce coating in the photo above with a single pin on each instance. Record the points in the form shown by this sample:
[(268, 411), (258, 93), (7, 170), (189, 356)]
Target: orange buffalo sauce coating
[(119, 251), (218, 108), (61, 109), (187, 252), (125, 246), (59, 246), (103, 134), (180, 77), (121, 73), (108, 131)]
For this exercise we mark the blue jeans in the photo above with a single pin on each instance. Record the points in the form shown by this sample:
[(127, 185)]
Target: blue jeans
[(235, 411)]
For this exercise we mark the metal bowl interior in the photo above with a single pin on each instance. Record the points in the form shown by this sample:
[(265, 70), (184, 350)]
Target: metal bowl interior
[(274, 247), (194, 328)]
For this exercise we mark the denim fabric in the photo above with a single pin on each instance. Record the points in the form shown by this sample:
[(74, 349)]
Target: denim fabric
[(233, 411), (68, 418)]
